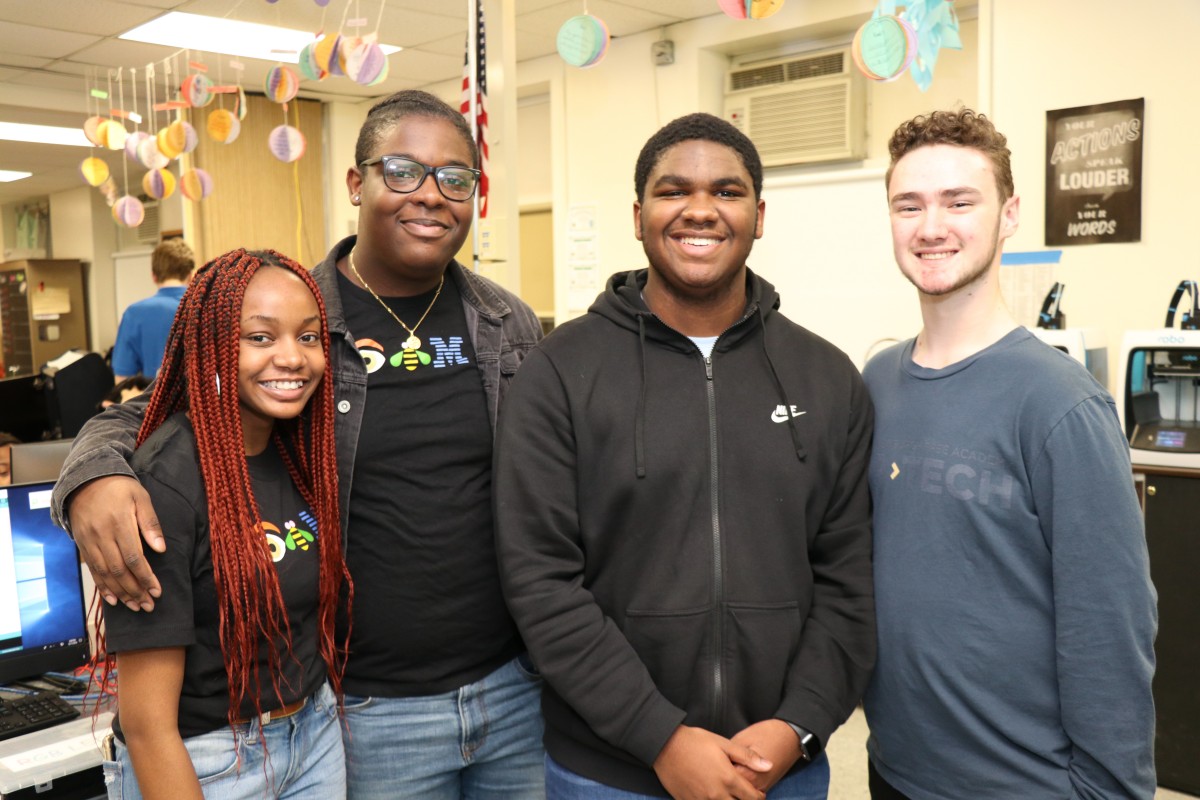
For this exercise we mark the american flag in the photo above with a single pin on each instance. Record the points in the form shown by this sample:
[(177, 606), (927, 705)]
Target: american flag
[(481, 114)]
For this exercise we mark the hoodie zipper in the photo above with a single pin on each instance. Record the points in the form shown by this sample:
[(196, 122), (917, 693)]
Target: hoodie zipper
[(718, 674), (718, 677)]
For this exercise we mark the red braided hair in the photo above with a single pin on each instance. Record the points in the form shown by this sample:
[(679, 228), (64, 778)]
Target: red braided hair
[(199, 374)]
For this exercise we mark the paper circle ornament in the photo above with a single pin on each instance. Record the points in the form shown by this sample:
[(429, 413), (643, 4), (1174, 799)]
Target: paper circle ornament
[(882, 48), (91, 127), (381, 77), (241, 103), (286, 143), (750, 9), (128, 211), (167, 146), (95, 171), (159, 183), (374, 65), (345, 56), (148, 154), (281, 84), (196, 184), (132, 142), (112, 134), (325, 53), (582, 40), (223, 126), (197, 90), (308, 65)]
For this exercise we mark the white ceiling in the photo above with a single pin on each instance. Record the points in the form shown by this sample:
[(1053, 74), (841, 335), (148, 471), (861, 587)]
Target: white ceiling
[(54, 47)]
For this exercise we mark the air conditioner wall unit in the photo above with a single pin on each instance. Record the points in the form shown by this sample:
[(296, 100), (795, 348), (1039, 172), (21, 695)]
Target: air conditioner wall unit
[(804, 109)]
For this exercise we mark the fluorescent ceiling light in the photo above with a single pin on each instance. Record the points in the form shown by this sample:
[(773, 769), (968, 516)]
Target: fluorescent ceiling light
[(43, 134), (229, 36), (8, 175)]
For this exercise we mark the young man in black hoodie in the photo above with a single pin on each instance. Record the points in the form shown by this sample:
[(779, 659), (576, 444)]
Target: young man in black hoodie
[(683, 519)]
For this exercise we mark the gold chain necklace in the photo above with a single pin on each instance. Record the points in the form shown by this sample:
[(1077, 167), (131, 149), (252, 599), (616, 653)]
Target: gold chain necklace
[(412, 342)]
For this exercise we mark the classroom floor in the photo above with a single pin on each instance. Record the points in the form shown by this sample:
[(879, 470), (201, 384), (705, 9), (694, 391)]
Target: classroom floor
[(848, 763)]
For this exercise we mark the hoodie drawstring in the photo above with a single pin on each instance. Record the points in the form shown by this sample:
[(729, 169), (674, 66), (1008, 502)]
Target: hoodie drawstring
[(639, 433), (801, 453)]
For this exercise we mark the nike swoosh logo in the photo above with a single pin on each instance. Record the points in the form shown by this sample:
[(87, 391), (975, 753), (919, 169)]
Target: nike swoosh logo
[(778, 417)]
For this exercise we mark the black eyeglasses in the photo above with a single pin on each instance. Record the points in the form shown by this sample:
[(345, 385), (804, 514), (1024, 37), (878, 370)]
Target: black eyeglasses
[(404, 175)]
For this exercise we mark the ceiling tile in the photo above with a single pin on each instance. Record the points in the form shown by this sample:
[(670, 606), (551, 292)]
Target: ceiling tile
[(103, 17), (31, 40)]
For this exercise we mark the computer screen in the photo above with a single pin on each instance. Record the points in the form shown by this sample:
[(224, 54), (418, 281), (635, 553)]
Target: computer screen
[(43, 626), (38, 461)]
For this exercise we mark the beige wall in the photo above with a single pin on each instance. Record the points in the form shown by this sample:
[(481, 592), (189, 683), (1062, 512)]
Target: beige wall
[(1050, 55)]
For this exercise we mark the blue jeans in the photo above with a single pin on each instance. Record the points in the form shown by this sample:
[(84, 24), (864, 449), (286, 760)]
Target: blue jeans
[(480, 742), (810, 783), (295, 757)]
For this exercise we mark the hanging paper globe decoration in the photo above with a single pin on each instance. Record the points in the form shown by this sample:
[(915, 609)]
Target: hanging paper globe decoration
[(378, 79), (241, 103), (132, 142), (223, 126), (325, 50), (308, 65), (326, 53), (159, 183), (364, 62), (112, 134), (166, 145), (109, 190), (583, 40), (281, 84), (884, 47), (128, 211), (750, 9), (286, 143), (197, 90), (184, 130), (91, 127), (195, 184), (95, 171), (148, 154)]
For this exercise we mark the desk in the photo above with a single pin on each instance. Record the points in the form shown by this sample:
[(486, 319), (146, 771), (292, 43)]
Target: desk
[(56, 763)]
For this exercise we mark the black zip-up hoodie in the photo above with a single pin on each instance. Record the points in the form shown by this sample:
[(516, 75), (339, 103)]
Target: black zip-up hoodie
[(685, 540)]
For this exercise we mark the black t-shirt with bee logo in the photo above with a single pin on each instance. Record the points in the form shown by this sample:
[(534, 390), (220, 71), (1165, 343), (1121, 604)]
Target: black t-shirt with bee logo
[(429, 615), (186, 615)]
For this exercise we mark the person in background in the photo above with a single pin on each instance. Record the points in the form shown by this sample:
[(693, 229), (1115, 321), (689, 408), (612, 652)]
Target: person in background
[(1012, 583), (682, 513), (7, 440), (142, 335), (125, 390), (441, 701), (228, 688)]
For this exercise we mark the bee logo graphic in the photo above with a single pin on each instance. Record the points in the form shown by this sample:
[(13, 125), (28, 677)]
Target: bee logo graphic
[(372, 354), (275, 542), (296, 537), (411, 359)]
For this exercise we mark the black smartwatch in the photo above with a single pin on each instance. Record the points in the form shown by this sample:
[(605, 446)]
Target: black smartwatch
[(810, 745)]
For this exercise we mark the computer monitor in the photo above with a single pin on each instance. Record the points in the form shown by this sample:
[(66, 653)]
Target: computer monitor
[(43, 625), (38, 461)]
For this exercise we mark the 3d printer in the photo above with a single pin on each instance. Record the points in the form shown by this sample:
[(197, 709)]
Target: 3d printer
[(1160, 397)]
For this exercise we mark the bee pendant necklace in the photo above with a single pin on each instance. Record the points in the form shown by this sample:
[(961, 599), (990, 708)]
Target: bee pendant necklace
[(412, 342)]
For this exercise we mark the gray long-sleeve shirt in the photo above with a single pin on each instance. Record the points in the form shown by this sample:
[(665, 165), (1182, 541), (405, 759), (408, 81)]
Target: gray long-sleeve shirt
[(1015, 611)]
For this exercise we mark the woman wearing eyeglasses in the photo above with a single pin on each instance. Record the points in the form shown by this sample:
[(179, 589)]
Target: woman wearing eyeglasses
[(441, 702)]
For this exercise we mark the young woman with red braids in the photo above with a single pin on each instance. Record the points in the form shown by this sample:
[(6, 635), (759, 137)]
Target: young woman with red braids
[(225, 690)]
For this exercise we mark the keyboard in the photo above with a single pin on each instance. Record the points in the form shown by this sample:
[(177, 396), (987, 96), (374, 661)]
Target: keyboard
[(34, 712)]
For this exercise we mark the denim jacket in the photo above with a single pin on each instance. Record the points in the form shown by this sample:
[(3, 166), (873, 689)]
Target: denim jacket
[(503, 330)]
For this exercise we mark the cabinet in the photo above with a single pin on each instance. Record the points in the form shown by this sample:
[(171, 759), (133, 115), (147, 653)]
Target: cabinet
[(1171, 499), (43, 313)]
